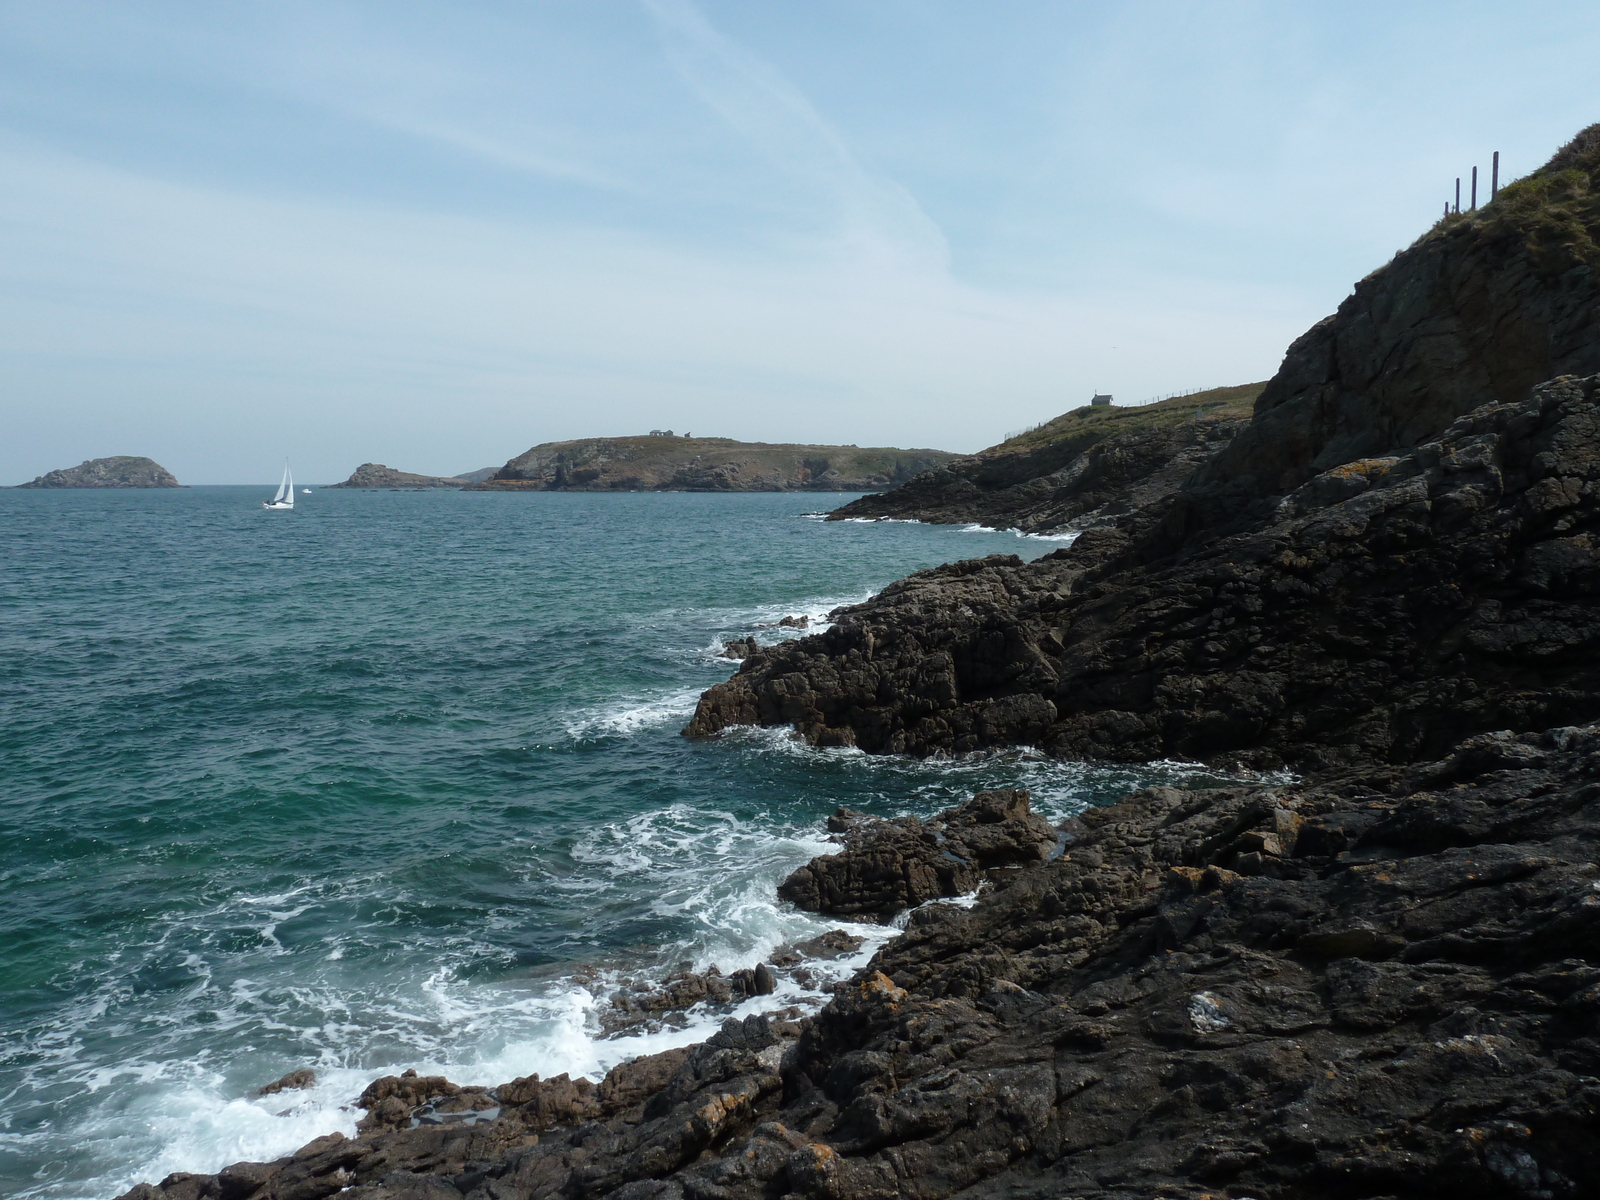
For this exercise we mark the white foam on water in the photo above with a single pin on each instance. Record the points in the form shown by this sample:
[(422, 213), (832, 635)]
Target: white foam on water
[(633, 714), (1065, 537)]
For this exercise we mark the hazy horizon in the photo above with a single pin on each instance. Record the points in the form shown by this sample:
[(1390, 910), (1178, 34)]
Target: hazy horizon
[(434, 237)]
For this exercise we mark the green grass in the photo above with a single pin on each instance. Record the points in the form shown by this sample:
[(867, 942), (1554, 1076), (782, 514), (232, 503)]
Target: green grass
[(1554, 212), (1109, 421)]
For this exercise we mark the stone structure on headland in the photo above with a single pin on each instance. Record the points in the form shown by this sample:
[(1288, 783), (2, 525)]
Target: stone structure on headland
[(1379, 979), (118, 471)]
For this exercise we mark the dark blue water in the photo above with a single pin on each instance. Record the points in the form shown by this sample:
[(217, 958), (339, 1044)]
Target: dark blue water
[(367, 785)]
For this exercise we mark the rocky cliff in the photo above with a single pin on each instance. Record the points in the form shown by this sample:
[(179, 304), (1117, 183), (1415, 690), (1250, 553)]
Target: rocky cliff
[(376, 475), (669, 463), (1362, 574), (1086, 467), (119, 471)]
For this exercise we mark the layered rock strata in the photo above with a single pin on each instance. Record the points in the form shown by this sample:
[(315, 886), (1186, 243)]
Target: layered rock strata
[(1392, 554), (1388, 608), (1379, 986)]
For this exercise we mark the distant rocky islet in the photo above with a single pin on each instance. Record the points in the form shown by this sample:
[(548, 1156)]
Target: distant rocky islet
[(118, 471)]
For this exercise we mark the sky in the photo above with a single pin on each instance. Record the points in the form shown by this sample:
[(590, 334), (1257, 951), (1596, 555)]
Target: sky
[(433, 235)]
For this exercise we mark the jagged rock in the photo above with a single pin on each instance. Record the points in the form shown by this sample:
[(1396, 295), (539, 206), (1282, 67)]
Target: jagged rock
[(887, 866), (294, 1080), (739, 648), (1190, 1000), (1390, 608)]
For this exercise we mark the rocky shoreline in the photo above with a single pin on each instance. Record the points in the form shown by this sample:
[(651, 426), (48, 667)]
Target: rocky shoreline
[(1381, 985)]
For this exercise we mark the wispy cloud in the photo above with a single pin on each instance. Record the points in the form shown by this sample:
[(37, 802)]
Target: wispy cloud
[(879, 219)]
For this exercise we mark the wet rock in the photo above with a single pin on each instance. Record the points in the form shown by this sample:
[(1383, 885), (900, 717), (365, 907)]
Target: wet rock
[(293, 1081), (836, 943), (887, 866), (739, 648)]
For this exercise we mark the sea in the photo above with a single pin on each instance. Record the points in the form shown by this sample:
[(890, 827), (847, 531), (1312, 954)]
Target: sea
[(395, 780)]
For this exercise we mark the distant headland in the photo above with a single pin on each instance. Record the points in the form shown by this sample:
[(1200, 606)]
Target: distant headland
[(665, 462), (118, 471), (376, 475)]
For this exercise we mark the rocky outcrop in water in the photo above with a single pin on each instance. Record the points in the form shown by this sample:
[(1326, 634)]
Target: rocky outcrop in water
[(888, 866), (376, 475), (1393, 606), (1086, 467), (119, 471), (661, 463), (1379, 986)]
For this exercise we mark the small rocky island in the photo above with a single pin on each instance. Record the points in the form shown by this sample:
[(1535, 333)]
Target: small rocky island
[(376, 475), (118, 471), (665, 462)]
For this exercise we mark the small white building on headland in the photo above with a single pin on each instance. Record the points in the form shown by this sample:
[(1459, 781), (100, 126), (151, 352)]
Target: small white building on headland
[(1100, 401)]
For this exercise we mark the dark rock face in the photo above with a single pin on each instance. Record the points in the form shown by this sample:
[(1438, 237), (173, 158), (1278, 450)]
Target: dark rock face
[(1084, 468), (1379, 986), (1390, 607), (376, 475), (1363, 574), (888, 866), (1477, 312), (119, 471)]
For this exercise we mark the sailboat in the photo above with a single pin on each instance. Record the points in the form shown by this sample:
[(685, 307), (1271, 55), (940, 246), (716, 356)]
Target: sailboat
[(285, 496)]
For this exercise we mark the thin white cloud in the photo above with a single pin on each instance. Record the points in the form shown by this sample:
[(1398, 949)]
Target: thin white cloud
[(879, 218)]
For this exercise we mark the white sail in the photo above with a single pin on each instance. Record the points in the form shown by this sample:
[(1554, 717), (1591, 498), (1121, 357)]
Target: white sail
[(283, 486), (288, 494)]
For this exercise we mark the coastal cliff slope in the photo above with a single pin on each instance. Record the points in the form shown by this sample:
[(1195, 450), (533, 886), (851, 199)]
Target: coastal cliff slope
[(376, 475), (118, 471), (655, 462), (1290, 604), (1479, 310), (1085, 467)]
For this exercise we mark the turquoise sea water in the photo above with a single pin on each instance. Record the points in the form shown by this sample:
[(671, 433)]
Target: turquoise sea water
[(394, 780)]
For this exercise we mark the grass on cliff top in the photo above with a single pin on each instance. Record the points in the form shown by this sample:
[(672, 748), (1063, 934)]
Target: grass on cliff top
[(1109, 421), (1555, 211)]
